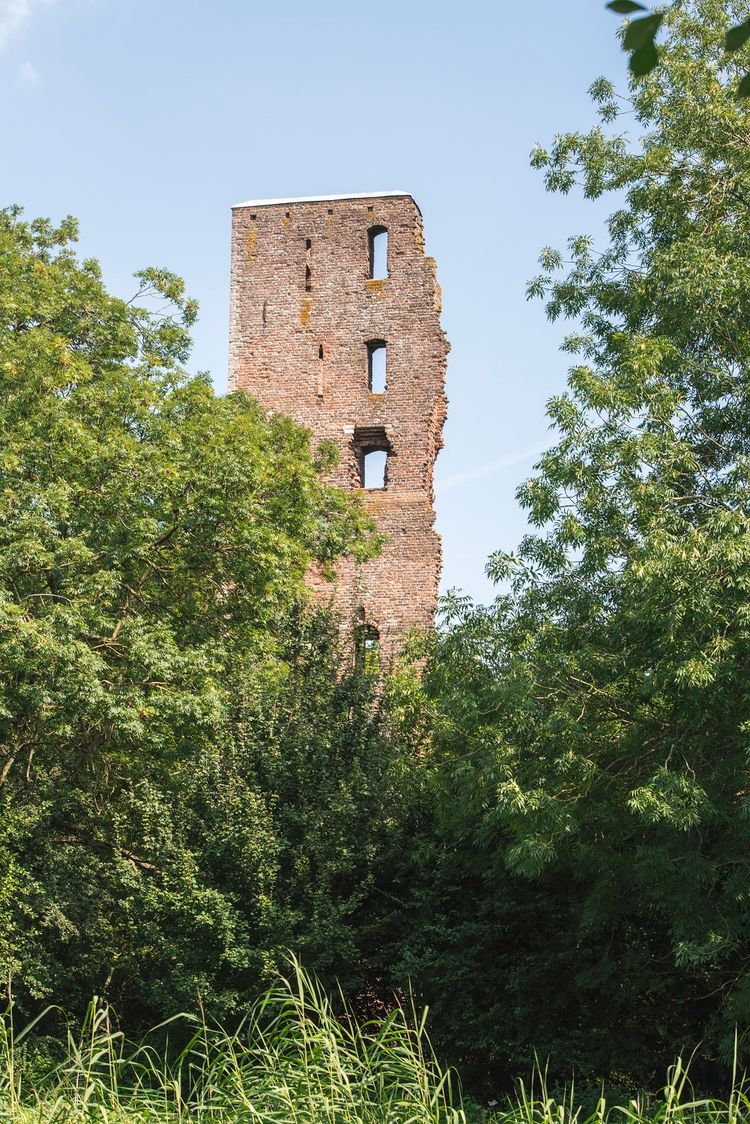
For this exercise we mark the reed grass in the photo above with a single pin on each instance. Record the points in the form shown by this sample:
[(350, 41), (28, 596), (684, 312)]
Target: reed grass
[(675, 1103), (294, 1060)]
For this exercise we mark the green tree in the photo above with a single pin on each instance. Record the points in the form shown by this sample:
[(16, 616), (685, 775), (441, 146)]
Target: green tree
[(592, 724), (153, 544), (639, 39)]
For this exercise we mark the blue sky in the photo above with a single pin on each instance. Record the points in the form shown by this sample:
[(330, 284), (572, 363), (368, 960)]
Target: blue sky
[(148, 119)]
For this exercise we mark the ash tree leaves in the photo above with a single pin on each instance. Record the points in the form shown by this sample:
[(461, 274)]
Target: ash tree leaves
[(639, 38), (736, 38), (601, 705)]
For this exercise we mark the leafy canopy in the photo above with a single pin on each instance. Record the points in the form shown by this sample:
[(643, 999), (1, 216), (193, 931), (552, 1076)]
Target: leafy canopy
[(154, 539), (592, 724), (639, 38)]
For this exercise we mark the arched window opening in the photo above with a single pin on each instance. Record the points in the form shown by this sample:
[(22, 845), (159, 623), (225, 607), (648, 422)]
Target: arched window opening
[(376, 366), (367, 646), (377, 237), (372, 449), (374, 468)]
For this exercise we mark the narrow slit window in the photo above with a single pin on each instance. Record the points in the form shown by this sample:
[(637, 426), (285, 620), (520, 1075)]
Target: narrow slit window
[(376, 366), (308, 265), (372, 651), (366, 646), (321, 372), (374, 468), (378, 246)]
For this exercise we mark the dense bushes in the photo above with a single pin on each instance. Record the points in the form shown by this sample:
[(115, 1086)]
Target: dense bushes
[(186, 787)]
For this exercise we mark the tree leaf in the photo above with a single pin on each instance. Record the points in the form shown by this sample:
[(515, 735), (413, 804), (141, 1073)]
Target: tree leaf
[(625, 7), (644, 60), (743, 90), (737, 36), (642, 32)]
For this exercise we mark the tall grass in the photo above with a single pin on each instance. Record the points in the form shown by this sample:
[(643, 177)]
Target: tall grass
[(675, 1103), (294, 1061)]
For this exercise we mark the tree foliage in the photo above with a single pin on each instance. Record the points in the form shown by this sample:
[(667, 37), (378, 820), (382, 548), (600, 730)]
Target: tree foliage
[(156, 656), (547, 832), (591, 753), (639, 39)]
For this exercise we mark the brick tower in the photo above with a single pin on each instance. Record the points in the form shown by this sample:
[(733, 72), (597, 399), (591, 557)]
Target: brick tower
[(335, 321)]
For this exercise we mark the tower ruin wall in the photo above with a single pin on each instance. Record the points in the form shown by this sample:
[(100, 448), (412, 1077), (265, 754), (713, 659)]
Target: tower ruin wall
[(304, 308)]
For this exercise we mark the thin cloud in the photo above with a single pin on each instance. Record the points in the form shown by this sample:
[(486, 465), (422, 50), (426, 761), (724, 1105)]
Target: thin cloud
[(15, 14), (459, 478), (28, 74)]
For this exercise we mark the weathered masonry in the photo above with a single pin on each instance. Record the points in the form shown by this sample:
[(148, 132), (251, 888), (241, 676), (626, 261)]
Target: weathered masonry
[(335, 321)]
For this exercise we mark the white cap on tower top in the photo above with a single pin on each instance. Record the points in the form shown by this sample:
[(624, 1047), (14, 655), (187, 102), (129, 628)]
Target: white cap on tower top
[(319, 198)]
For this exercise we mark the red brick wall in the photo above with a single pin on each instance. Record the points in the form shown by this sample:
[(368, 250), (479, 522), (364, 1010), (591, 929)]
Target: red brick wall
[(277, 329)]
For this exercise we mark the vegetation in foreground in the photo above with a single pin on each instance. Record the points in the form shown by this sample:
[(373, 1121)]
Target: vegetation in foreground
[(293, 1060), (548, 833)]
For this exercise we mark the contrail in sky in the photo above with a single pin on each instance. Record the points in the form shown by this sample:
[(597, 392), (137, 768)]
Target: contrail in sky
[(459, 478)]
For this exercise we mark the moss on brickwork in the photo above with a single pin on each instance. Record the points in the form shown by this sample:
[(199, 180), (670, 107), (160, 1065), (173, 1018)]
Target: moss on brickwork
[(419, 234), (251, 242)]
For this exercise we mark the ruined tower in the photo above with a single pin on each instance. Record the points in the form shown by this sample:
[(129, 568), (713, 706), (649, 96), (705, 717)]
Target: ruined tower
[(335, 321)]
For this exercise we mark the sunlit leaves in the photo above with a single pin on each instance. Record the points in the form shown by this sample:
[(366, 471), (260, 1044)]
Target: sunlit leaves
[(154, 542), (639, 39), (611, 675), (671, 796)]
